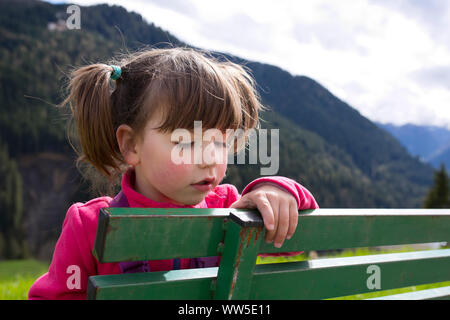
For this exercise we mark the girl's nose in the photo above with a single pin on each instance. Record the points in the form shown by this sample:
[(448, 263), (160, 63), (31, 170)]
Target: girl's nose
[(212, 154)]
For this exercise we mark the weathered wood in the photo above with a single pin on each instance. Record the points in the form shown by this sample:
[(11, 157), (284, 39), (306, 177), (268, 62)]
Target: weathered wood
[(243, 238), (190, 284), (315, 279), (131, 234), (336, 277), (152, 234), (328, 229), (134, 234)]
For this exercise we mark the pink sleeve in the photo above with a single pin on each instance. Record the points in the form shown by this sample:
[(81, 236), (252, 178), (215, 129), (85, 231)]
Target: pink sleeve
[(71, 265), (305, 199)]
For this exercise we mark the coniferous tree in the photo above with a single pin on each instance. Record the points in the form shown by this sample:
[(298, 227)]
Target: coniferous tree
[(12, 237), (438, 196)]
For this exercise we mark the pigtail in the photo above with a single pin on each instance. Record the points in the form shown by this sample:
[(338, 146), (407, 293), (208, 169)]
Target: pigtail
[(91, 105)]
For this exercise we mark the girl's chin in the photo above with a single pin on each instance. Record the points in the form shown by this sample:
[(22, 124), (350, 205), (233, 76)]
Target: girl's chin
[(190, 201)]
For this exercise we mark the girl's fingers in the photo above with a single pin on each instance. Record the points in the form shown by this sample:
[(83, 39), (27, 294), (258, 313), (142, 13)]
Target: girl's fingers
[(283, 223), (270, 233), (280, 214), (268, 214), (241, 203), (293, 219), (259, 201)]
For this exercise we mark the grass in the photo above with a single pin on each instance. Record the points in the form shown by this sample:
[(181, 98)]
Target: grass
[(17, 276)]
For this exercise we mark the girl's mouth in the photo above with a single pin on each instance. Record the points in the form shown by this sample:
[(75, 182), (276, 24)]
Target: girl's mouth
[(204, 185)]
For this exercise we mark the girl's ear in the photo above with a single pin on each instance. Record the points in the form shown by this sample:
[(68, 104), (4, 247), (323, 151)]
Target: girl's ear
[(127, 144)]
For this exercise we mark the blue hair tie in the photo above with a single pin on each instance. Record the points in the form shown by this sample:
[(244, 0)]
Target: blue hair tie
[(117, 72)]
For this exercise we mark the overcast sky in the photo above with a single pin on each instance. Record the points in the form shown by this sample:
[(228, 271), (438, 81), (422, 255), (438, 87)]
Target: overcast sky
[(389, 59)]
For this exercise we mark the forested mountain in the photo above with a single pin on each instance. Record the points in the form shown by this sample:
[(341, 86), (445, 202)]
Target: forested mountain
[(342, 157)]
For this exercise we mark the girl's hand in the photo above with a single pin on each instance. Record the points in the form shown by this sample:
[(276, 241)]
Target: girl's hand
[(278, 209)]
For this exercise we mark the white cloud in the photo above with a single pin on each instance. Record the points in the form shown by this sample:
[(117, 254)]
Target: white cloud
[(383, 57), (434, 76)]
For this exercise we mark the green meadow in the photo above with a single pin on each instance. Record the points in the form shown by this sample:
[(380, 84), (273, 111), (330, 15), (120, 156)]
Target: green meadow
[(17, 276)]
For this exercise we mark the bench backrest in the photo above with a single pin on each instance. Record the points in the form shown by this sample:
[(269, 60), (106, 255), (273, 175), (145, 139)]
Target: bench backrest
[(237, 235)]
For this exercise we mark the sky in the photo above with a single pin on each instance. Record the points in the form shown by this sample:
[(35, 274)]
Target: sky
[(389, 59)]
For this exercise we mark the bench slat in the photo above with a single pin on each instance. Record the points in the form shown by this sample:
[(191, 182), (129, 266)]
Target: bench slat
[(428, 294), (328, 229), (133, 234), (239, 258), (191, 284), (125, 234), (336, 277), (315, 279)]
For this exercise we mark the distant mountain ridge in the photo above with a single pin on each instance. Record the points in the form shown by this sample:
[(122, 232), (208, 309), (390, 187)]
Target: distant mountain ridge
[(430, 143)]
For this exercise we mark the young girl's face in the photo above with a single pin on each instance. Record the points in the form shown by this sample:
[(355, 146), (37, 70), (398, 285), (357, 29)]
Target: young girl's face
[(160, 177)]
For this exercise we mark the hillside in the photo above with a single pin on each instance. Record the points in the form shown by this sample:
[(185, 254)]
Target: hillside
[(325, 144)]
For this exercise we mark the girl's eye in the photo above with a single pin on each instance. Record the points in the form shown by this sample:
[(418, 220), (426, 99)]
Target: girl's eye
[(185, 145), (191, 144), (221, 144)]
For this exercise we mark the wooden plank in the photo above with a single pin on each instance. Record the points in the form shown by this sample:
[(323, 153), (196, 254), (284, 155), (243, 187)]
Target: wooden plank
[(133, 234), (188, 284), (329, 278), (241, 245), (428, 294), (327, 229), (315, 279)]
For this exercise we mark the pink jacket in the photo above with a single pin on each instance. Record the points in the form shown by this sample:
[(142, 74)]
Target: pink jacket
[(73, 257)]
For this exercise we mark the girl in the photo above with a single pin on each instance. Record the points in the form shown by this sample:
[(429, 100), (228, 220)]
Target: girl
[(125, 131)]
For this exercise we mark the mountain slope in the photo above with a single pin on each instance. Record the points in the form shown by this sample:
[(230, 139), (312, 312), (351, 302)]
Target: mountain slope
[(342, 157), (313, 107), (33, 61)]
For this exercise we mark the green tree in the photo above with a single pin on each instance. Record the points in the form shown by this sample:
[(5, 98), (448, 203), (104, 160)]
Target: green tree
[(12, 237), (438, 196)]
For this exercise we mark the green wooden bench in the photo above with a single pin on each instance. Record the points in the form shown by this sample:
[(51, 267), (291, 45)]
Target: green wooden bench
[(237, 235)]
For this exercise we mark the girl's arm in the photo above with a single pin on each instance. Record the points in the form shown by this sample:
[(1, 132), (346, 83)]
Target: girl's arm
[(304, 198), (72, 261)]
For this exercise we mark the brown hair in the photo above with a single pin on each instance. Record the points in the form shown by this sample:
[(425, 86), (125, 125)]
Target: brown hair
[(184, 84)]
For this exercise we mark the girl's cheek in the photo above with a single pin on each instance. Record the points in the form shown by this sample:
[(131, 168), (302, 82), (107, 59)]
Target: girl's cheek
[(174, 172), (222, 170)]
